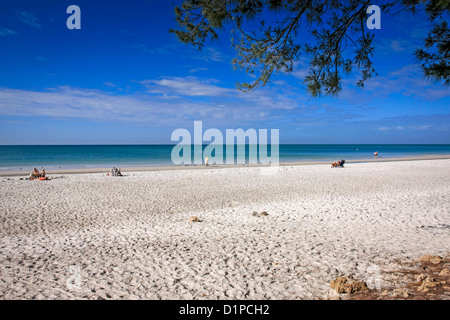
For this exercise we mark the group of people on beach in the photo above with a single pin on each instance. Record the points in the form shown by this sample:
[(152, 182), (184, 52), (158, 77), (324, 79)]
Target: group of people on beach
[(36, 174), (339, 164)]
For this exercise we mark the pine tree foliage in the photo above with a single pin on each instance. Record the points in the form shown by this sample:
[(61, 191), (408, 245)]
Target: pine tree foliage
[(331, 34)]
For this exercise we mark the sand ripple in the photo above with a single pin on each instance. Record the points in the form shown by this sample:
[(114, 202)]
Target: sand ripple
[(98, 237)]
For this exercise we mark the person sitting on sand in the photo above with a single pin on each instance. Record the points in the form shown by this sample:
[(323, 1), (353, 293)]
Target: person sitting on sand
[(115, 172), (43, 173), (35, 173)]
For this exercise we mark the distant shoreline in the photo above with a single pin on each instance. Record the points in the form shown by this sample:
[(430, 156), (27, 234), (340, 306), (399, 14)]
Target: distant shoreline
[(11, 173)]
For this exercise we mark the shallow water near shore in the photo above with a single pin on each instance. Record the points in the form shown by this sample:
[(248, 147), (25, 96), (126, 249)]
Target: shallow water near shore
[(16, 158)]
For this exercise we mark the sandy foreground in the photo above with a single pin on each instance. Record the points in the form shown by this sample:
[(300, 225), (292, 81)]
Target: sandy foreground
[(90, 236)]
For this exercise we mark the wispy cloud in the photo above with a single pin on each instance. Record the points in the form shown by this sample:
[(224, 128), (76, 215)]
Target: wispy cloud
[(396, 46), (4, 32), (386, 46), (97, 105), (142, 47), (42, 59), (265, 110), (301, 69), (188, 86), (28, 18), (194, 87), (68, 102), (194, 70), (125, 33), (211, 54), (401, 128), (412, 124), (110, 84), (163, 50), (409, 81)]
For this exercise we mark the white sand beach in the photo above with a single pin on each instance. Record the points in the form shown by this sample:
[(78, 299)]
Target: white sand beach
[(91, 236)]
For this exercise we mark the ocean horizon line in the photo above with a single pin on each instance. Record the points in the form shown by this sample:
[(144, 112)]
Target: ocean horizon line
[(205, 144)]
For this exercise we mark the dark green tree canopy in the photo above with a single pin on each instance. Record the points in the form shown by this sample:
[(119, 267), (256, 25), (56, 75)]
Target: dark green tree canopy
[(332, 34)]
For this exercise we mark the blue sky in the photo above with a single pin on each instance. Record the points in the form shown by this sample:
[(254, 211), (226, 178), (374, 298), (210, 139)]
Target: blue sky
[(123, 78)]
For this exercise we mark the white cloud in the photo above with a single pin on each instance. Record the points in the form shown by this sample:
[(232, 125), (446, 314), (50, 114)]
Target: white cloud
[(42, 59), (210, 54), (301, 68), (125, 33), (67, 102), (143, 108), (162, 50), (407, 80), (194, 70), (396, 46), (4, 32), (189, 86), (209, 88), (422, 127), (28, 18), (401, 128), (142, 47)]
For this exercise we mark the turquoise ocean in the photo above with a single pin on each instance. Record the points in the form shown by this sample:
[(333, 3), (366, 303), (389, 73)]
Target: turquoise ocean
[(96, 156)]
